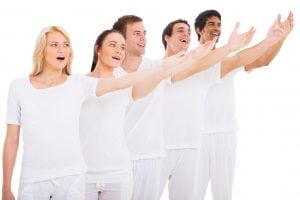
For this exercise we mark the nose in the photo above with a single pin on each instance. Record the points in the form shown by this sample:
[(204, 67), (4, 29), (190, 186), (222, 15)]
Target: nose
[(61, 48), (143, 37)]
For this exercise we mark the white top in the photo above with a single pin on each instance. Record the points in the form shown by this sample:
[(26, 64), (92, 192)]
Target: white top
[(184, 109), (102, 136), (220, 106), (144, 122), (50, 122)]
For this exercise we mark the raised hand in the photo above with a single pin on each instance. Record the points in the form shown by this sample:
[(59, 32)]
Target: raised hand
[(278, 30), (173, 60), (202, 50), (237, 41), (288, 24)]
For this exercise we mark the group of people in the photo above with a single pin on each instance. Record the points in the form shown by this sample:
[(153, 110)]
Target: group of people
[(131, 125)]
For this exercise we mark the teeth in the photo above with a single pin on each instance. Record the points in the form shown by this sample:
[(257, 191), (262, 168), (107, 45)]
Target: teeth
[(116, 58)]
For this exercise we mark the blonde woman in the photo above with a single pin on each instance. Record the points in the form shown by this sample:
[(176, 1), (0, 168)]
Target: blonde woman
[(47, 106)]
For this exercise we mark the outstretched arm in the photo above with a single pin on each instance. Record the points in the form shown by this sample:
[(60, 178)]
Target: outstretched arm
[(265, 59), (143, 81), (198, 64), (249, 55), (10, 150)]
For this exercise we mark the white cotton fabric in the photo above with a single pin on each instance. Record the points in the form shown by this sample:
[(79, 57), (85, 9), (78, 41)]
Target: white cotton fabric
[(146, 178), (144, 122), (184, 109), (220, 115), (102, 136), (50, 122), (217, 160)]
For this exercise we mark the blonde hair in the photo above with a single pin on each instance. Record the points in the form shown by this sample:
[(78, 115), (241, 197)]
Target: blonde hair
[(39, 51)]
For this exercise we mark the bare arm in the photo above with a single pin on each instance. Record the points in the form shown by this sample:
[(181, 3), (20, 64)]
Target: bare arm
[(143, 81), (106, 85), (10, 150), (249, 55), (270, 54), (236, 41)]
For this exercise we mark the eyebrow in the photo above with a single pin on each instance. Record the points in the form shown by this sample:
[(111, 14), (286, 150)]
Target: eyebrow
[(140, 31), (182, 28), (210, 22)]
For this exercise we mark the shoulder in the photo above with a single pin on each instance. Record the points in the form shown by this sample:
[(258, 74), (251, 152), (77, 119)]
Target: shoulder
[(18, 82)]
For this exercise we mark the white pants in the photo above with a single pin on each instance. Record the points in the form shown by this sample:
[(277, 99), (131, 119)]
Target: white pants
[(146, 178), (217, 155), (181, 168), (63, 188), (109, 191)]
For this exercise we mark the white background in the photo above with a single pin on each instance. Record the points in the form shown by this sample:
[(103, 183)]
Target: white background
[(268, 109)]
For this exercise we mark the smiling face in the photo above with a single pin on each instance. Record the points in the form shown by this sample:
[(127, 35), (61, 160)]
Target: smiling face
[(136, 38), (112, 51), (211, 29), (180, 38), (57, 51)]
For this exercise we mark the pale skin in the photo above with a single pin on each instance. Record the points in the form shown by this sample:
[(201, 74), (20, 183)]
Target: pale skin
[(287, 26), (136, 42), (249, 56), (57, 54), (180, 41)]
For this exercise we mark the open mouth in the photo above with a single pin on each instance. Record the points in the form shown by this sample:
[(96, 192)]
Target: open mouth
[(184, 40), (215, 34), (60, 58), (116, 58)]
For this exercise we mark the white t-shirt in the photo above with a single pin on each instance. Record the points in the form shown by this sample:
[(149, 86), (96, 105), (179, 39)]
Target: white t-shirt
[(50, 122), (184, 108), (220, 106), (144, 122), (102, 136)]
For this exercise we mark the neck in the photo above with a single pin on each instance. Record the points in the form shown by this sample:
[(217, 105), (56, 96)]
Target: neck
[(49, 74), (48, 78), (102, 71), (169, 52), (131, 62)]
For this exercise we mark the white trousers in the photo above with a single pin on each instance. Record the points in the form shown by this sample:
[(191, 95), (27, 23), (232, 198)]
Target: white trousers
[(217, 161), (62, 188), (109, 191), (146, 178), (181, 168)]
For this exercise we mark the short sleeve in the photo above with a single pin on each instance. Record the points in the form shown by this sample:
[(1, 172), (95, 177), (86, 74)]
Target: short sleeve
[(89, 85), (13, 115)]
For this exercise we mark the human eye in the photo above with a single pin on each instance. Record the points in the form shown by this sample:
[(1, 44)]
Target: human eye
[(211, 24), (53, 45), (66, 45)]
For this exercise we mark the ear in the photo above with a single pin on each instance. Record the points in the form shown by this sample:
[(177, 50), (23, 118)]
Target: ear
[(166, 37), (198, 31), (97, 49)]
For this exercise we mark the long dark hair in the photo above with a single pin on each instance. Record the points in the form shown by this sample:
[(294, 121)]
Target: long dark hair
[(98, 44)]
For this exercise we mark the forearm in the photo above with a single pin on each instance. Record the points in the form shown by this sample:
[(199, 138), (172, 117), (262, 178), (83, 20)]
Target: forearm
[(196, 65), (9, 157), (107, 85), (266, 58), (249, 55)]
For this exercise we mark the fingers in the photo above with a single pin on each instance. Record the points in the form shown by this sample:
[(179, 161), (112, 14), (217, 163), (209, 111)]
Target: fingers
[(237, 25)]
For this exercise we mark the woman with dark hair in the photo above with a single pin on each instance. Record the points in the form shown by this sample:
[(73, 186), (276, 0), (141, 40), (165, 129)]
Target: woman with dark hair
[(47, 106)]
